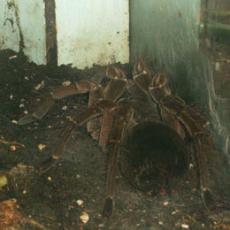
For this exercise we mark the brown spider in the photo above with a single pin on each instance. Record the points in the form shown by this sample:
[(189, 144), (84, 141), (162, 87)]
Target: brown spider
[(110, 114)]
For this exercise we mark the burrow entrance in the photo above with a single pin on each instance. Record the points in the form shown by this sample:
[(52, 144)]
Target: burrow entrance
[(153, 157)]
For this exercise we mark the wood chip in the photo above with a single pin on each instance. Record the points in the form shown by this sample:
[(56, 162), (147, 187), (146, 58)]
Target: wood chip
[(39, 86), (41, 147), (84, 217)]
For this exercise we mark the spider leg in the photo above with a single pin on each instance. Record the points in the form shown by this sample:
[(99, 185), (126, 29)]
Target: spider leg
[(89, 114), (122, 117), (110, 180), (57, 94), (201, 160)]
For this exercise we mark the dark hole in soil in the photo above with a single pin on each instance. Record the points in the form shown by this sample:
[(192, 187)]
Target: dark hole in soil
[(154, 157)]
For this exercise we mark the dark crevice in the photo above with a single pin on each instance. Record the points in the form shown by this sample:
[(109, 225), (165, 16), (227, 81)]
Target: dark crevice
[(13, 5), (154, 156), (51, 32)]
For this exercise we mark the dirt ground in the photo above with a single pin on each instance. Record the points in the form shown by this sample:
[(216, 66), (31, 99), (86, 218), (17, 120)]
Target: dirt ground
[(75, 186)]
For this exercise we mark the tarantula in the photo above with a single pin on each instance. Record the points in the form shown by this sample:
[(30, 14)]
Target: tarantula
[(111, 113)]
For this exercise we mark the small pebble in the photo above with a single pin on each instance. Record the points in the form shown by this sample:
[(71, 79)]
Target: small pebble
[(13, 148), (160, 223), (25, 112), (11, 96), (49, 178), (166, 203), (24, 192), (78, 176), (66, 83)]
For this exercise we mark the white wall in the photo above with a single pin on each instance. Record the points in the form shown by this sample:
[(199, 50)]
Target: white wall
[(92, 32), (32, 24), (88, 31)]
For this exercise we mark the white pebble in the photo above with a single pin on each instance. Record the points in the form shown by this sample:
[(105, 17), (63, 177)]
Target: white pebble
[(166, 203), (14, 122), (160, 223), (65, 107), (80, 202), (185, 226)]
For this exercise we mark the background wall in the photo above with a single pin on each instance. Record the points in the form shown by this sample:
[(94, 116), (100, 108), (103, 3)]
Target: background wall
[(92, 32), (165, 30), (166, 33), (22, 28), (88, 32)]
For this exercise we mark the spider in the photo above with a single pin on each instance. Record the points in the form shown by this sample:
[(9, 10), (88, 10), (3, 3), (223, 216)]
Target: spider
[(111, 113)]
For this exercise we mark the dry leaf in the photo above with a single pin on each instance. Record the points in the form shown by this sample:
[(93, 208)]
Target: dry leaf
[(66, 83), (3, 181)]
